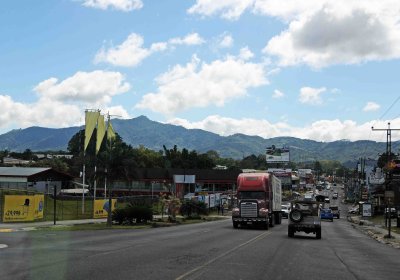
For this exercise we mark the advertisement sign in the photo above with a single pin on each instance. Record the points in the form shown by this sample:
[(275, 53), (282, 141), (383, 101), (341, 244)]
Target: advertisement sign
[(101, 208), (277, 155), (39, 206), (366, 210), (18, 208)]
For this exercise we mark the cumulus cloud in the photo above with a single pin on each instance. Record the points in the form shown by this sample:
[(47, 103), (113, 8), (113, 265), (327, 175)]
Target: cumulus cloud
[(121, 5), (132, 52), (323, 130), (229, 9), (95, 87), (278, 94), (62, 103), (198, 84), (311, 96), (371, 106), (190, 39), (226, 41), (321, 33)]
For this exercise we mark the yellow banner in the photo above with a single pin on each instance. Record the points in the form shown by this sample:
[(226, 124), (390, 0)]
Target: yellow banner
[(100, 208), (101, 131), (18, 208), (90, 125), (110, 131)]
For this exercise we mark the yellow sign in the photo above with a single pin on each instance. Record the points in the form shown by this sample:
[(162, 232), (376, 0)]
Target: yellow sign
[(100, 209), (18, 208), (23, 208)]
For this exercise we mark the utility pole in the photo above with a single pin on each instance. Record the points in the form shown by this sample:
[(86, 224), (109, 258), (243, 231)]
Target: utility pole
[(388, 174)]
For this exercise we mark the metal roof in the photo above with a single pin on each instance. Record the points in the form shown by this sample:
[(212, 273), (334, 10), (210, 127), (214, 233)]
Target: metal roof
[(21, 171)]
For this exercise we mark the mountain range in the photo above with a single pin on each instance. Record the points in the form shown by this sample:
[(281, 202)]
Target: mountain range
[(153, 135)]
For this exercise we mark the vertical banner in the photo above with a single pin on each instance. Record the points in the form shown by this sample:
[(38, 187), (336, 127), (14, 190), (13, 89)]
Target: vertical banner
[(18, 208), (100, 208)]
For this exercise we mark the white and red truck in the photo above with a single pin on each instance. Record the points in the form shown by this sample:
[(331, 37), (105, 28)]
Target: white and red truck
[(259, 200)]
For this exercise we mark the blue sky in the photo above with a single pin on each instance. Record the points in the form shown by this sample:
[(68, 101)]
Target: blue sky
[(313, 69)]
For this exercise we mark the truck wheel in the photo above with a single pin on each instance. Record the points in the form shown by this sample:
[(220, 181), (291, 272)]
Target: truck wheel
[(296, 216), (278, 218), (235, 225), (290, 232), (318, 233), (266, 225), (272, 220), (338, 216)]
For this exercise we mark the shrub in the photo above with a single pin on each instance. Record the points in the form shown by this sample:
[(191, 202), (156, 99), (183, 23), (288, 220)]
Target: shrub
[(139, 213), (119, 215)]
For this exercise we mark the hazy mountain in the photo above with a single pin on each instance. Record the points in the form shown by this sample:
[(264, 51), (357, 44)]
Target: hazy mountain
[(153, 135)]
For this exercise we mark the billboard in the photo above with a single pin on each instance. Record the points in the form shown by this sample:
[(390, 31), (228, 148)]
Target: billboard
[(277, 155), (100, 208), (23, 208)]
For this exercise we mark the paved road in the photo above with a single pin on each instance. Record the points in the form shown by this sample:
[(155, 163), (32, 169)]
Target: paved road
[(211, 250)]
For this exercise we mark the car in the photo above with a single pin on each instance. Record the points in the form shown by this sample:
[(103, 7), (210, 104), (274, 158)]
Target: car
[(285, 211), (335, 195), (304, 216), (327, 200), (353, 210), (326, 214), (335, 211)]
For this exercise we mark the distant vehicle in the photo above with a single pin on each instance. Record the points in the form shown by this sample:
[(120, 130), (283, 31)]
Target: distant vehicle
[(304, 216), (327, 200), (334, 184), (326, 214), (335, 195), (259, 200), (335, 211), (285, 211), (353, 210)]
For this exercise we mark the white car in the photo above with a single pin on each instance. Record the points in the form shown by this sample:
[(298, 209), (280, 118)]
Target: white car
[(285, 211)]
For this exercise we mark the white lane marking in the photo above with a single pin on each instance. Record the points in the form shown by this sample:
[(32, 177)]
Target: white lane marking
[(223, 255), (2, 246)]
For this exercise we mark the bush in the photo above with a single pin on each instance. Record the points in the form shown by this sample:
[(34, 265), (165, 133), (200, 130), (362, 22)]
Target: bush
[(190, 208), (139, 213), (132, 213), (119, 215)]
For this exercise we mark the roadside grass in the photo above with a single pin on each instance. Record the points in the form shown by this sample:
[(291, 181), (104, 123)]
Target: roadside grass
[(380, 220), (156, 223)]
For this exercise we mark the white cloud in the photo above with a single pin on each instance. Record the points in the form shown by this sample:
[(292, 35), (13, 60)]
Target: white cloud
[(229, 9), (321, 33), (226, 41), (371, 106), (190, 39), (323, 130), (198, 84), (122, 5), (246, 54), (131, 52), (311, 96), (62, 104), (95, 87), (278, 94)]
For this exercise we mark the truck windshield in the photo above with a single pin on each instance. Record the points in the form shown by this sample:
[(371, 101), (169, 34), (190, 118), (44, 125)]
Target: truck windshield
[(251, 195)]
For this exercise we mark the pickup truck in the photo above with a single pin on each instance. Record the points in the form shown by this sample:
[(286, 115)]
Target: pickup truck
[(335, 211)]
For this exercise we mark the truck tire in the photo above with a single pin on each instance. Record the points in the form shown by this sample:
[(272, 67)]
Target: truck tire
[(266, 225), (296, 216), (235, 224), (272, 220), (290, 232), (318, 233), (278, 218)]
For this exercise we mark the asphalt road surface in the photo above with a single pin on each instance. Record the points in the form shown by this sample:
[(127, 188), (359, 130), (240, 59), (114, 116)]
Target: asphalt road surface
[(212, 250)]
